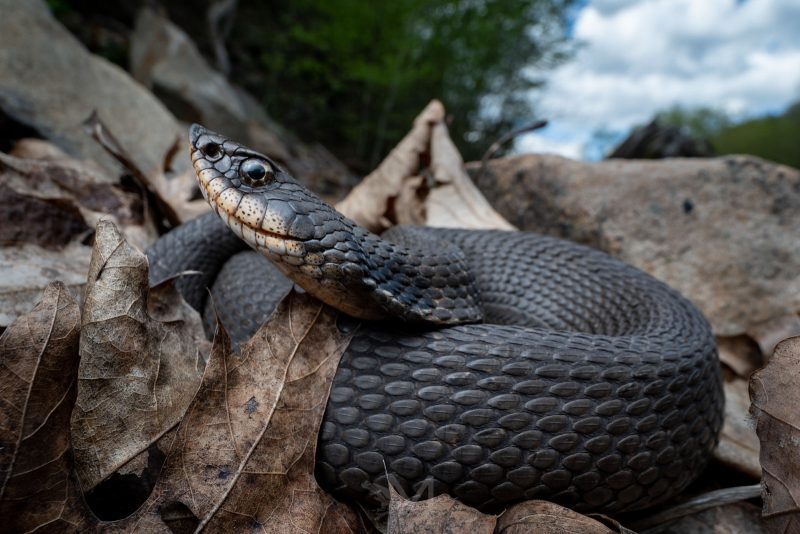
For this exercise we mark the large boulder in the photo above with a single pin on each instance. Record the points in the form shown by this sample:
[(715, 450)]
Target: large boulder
[(165, 59), (723, 231), (50, 83)]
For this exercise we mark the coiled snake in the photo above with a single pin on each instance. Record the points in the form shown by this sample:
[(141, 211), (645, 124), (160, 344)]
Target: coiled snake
[(505, 365)]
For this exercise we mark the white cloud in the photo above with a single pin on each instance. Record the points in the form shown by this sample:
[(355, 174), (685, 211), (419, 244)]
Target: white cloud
[(642, 57), (540, 144)]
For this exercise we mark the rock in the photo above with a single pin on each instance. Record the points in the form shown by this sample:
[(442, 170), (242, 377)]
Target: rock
[(723, 231), (166, 60), (656, 141), (51, 83)]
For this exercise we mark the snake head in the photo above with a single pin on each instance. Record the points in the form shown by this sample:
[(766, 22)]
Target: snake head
[(308, 240)]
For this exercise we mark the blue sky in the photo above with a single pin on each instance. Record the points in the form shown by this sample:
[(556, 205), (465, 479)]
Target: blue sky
[(639, 57)]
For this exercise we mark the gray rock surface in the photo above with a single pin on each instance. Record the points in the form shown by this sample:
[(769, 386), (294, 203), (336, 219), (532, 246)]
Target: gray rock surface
[(51, 83), (165, 59), (723, 231)]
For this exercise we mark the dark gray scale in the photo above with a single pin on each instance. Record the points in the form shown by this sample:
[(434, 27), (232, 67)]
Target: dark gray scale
[(599, 388)]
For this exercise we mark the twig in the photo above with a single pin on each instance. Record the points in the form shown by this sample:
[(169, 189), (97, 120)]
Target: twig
[(505, 138), (152, 197), (697, 504)]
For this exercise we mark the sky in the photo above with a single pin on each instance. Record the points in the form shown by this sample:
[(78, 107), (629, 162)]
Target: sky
[(639, 57)]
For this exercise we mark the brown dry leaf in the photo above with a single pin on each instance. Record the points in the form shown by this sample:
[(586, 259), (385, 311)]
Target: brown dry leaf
[(441, 514), (370, 201), (28, 269), (545, 517), (395, 193), (740, 353), (455, 202), (142, 359), (243, 457), (735, 518), (738, 444), (769, 333), (64, 196), (38, 362), (775, 392)]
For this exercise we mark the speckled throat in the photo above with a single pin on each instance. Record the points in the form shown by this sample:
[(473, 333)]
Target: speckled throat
[(328, 255)]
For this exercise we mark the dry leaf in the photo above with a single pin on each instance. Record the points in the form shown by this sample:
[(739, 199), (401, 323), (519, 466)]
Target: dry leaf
[(738, 444), (545, 517), (441, 514), (78, 190), (47, 222), (28, 269), (740, 353), (736, 518), (455, 202), (775, 391), (769, 333), (38, 361), (243, 457), (395, 193), (369, 202), (142, 357)]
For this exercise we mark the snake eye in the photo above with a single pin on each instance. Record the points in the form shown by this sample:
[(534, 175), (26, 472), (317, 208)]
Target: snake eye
[(255, 170), (212, 151)]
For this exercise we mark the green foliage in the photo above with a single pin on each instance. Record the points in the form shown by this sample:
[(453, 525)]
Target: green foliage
[(776, 138), (353, 74), (773, 138), (702, 122)]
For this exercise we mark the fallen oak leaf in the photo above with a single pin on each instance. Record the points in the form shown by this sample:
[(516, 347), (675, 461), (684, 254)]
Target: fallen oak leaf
[(440, 514), (775, 397), (454, 201), (38, 364), (142, 353), (369, 202), (769, 333), (243, 456), (29, 269), (741, 354), (545, 517)]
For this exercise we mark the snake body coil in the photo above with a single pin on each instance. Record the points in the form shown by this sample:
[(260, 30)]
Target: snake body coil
[(588, 383)]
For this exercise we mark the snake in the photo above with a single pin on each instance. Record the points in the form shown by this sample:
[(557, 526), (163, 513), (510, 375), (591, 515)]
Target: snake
[(491, 365)]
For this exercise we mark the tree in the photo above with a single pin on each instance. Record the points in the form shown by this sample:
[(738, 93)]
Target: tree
[(701, 123), (771, 137), (353, 74)]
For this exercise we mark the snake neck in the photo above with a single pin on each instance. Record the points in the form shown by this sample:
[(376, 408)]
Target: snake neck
[(417, 279), (406, 276)]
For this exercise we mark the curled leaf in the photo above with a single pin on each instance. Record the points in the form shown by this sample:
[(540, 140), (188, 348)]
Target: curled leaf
[(369, 202), (441, 514), (142, 355), (545, 517), (775, 394), (38, 363), (455, 202)]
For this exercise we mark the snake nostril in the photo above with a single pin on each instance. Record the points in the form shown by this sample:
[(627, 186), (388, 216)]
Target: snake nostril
[(211, 150)]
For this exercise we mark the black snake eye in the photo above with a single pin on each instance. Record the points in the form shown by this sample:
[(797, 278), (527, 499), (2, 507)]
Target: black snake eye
[(255, 170), (211, 150)]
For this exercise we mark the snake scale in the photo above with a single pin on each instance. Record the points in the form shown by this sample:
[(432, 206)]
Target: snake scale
[(494, 366)]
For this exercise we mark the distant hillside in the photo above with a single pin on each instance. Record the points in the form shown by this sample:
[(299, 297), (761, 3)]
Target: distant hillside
[(774, 138)]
